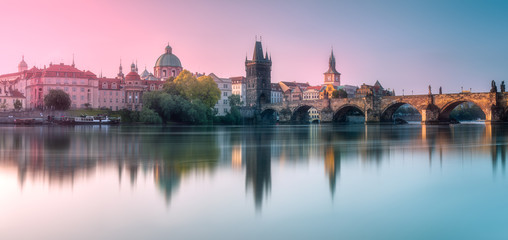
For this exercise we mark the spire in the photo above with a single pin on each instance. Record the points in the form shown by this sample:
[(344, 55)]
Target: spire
[(258, 52), (73, 60), (136, 65), (331, 64)]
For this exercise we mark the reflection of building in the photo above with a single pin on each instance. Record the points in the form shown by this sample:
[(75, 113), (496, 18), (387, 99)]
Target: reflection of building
[(258, 166), (332, 167)]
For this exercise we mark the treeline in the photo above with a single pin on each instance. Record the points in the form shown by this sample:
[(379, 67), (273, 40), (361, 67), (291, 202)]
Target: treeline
[(467, 111), (184, 99)]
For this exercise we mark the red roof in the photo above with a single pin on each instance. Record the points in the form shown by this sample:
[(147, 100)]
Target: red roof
[(315, 87), (16, 94), (132, 76)]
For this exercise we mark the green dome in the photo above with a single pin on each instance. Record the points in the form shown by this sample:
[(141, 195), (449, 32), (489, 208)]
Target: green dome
[(168, 59)]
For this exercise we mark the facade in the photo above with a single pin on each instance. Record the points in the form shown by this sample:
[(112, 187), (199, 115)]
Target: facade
[(293, 91), (238, 85), (8, 98), (82, 86), (277, 94), (167, 65), (312, 93), (222, 107), (332, 76), (258, 78), (376, 90), (111, 94)]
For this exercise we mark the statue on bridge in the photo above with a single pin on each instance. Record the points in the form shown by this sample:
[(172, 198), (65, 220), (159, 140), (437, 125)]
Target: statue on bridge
[(430, 90), (440, 90), (493, 87), (502, 86)]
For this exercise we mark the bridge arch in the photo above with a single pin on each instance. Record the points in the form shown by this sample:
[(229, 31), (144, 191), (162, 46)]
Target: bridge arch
[(301, 114), (388, 112), (444, 113), (341, 114), (269, 116)]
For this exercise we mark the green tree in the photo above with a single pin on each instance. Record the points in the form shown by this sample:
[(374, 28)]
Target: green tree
[(149, 116), (207, 91), (339, 94), (3, 106), (235, 101), (57, 99), (18, 105)]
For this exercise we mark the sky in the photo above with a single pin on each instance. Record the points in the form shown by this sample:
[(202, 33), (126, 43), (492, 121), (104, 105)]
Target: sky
[(403, 44)]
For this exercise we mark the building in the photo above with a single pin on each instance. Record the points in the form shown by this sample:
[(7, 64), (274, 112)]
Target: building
[(312, 92), (258, 77), (238, 85), (277, 95), (111, 93), (377, 90), (82, 86), (8, 98), (293, 91), (167, 65), (332, 76), (222, 107)]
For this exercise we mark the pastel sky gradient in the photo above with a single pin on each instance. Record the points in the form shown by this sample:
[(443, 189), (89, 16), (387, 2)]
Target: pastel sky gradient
[(403, 44)]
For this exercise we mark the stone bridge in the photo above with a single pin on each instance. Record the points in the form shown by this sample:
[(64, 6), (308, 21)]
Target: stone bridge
[(434, 108)]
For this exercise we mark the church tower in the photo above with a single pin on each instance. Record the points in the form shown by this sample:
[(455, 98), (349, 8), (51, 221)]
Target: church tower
[(332, 76), (258, 77)]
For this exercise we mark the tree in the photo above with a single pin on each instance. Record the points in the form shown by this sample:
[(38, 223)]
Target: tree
[(207, 91), (235, 100), (339, 93), (18, 105), (57, 99), (3, 106)]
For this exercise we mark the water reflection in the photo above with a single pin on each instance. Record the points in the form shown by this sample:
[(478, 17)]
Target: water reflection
[(62, 155)]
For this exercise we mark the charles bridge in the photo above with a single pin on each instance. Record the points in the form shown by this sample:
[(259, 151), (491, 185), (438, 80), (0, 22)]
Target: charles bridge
[(434, 108)]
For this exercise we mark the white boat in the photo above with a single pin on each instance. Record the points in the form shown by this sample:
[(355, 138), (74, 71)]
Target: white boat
[(92, 120)]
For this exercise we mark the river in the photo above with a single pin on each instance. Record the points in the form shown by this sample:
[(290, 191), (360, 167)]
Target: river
[(254, 182)]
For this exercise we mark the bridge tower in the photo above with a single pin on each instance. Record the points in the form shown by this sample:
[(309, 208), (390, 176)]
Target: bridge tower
[(332, 76), (258, 77)]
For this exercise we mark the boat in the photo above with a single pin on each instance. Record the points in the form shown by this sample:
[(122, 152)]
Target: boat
[(94, 120)]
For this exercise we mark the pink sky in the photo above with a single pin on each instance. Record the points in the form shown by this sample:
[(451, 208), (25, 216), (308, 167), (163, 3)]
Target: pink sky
[(403, 45)]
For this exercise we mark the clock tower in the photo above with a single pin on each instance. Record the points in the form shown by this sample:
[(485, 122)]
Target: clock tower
[(332, 76)]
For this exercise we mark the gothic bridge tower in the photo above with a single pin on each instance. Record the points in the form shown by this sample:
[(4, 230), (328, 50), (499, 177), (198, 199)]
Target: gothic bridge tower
[(258, 78)]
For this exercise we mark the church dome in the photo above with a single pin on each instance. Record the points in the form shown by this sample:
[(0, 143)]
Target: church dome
[(168, 59), (22, 64)]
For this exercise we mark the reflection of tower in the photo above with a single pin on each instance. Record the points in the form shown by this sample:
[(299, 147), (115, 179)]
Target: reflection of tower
[(167, 179), (332, 167), (258, 166)]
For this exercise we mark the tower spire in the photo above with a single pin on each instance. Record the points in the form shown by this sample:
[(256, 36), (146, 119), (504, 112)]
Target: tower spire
[(73, 60)]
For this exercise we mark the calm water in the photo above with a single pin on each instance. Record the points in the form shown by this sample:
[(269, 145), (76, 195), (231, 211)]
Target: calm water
[(272, 182)]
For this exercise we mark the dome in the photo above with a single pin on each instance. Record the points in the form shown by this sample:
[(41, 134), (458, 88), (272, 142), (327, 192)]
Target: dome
[(22, 63), (168, 59), (132, 76)]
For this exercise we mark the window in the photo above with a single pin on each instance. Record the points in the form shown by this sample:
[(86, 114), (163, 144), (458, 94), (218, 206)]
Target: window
[(225, 94), (82, 89), (73, 89), (163, 73), (225, 101), (73, 97), (110, 100), (82, 97)]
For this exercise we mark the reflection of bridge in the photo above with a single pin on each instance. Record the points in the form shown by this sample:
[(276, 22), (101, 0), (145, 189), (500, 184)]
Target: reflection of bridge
[(434, 108)]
